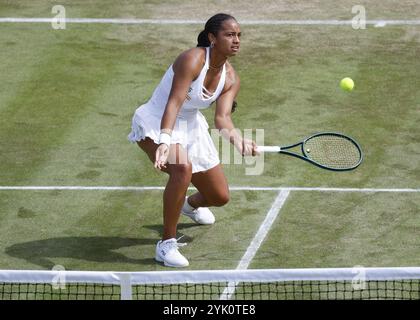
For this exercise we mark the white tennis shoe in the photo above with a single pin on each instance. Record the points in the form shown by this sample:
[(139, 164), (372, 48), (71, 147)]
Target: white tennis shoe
[(200, 215), (167, 252)]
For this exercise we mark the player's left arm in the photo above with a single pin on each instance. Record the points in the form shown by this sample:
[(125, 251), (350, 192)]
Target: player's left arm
[(223, 115)]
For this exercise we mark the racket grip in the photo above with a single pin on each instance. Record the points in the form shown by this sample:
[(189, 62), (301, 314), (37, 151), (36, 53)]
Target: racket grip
[(268, 149)]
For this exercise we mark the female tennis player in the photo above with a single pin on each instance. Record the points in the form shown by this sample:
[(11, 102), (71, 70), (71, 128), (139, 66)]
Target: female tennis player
[(174, 134)]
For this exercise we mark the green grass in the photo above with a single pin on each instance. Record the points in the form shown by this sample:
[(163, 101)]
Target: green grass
[(66, 102), (316, 230), (117, 231), (202, 9)]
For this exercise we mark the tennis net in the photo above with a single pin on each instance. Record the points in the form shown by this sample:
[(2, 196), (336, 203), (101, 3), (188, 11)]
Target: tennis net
[(257, 284)]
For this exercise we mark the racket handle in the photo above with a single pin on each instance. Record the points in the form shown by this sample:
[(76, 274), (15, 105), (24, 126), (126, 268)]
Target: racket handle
[(268, 148)]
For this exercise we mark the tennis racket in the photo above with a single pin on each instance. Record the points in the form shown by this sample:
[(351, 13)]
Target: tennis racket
[(327, 150)]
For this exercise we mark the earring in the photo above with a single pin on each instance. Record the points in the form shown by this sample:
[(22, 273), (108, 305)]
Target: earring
[(211, 44)]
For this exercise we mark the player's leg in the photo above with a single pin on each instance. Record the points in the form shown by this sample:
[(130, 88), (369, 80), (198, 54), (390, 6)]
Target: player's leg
[(212, 186), (180, 172), (212, 189)]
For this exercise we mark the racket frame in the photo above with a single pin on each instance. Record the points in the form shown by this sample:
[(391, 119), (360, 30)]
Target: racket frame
[(305, 154)]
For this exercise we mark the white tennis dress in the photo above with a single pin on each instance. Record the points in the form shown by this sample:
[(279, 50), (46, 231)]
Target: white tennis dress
[(191, 128)]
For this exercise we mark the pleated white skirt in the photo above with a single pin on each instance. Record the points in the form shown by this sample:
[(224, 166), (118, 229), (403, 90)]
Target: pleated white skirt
[(190, 131)]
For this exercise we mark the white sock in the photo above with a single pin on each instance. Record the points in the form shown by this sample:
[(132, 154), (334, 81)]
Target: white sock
[(187, 206)]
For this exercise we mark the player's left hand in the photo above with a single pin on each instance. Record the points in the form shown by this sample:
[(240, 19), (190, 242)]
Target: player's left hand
[(248, 148)]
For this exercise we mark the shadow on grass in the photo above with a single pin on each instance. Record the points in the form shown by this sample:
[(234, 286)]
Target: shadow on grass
[(97, 249), (158, 228)]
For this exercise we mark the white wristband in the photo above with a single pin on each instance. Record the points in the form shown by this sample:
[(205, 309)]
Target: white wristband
[(165, 138)]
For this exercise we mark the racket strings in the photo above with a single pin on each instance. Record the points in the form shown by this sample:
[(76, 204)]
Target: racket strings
[(332, 151)]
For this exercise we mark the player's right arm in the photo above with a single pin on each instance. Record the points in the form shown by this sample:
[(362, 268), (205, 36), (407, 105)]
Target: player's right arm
[(186, 68)]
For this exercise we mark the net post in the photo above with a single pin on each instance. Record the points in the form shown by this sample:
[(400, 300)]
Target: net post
[(125, 282)]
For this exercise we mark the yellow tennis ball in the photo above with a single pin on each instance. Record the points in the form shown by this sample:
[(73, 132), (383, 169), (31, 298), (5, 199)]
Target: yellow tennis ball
[(347, 84)]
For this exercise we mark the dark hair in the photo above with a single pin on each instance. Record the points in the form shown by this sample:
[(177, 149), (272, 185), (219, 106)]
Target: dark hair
[(213, 26)]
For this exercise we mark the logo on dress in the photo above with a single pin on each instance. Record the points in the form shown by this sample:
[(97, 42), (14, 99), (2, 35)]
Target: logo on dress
[(188, 97)]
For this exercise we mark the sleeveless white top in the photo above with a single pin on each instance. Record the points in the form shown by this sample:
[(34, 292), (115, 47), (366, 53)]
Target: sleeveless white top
[(198, 97)]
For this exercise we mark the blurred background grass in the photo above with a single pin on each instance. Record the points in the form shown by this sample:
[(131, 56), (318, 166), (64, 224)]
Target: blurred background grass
[(67, 98)]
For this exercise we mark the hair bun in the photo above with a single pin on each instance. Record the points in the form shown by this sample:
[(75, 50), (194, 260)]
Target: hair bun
[(213, 26), (203, 39)]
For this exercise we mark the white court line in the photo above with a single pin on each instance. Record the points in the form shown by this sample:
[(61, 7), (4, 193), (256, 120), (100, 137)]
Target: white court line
[(232, 188), (257, 241), (381, 22)]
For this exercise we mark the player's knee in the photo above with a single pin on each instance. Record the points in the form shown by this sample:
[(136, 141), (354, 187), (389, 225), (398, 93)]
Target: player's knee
[(221, 199), (182, 172)]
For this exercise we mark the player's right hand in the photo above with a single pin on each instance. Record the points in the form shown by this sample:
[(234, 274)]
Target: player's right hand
[(161, 156)]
